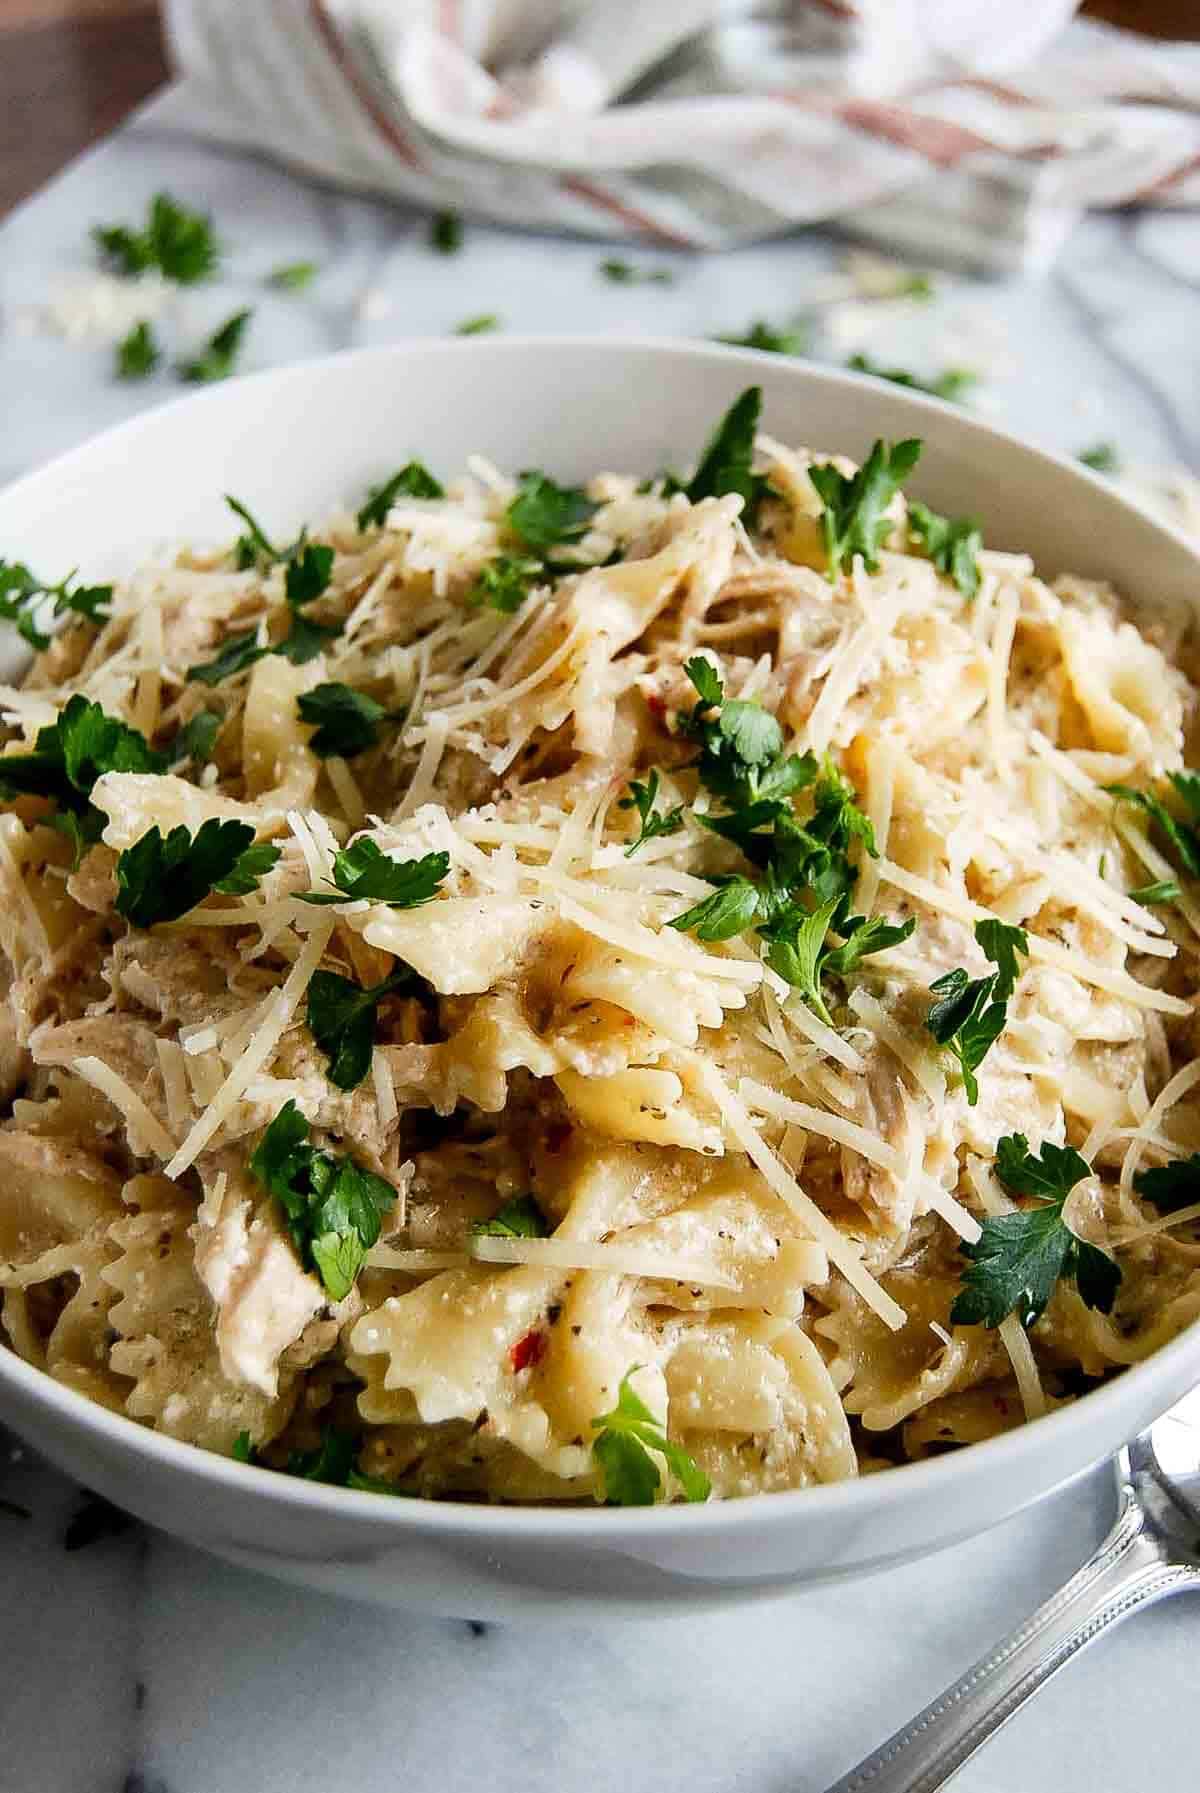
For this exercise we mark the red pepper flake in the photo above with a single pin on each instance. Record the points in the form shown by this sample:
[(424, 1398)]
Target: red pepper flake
[(1001, 1404), (528, 1351), (557, 1135), (656, 705)]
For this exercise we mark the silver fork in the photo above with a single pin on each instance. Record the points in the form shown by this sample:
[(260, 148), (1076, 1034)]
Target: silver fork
[(1152, 1550)]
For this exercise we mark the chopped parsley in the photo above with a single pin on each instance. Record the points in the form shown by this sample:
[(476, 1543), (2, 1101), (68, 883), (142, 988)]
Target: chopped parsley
[(254, 545), (478, 326), (1102, 457), (505, 583), (332, 1462), (625, 1439), (216, 359), (969, 1014), (1166, 890), (643, 798), (341, 1019), (1020, 1257), (160, 878), (68, 757), (543, 514), (1172, 1186), (138, 354), (362, 872), (855, 519), (763, 336), (309, 570), (953, 544), (236, 653), (951, 384), (293, 276), (799, 951), (626, 273), (176, 240), (196, 739), (731, 909), (446, 233), (412, 481), (726, 464), (741, 757), (346, 721), (520, 1218), (25, 599), (334, 1209), (1181, 839)]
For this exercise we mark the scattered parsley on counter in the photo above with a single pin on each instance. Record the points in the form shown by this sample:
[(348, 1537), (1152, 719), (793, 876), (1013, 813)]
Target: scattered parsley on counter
[(293, 277), (137, 354), (341, 1018), (770, 341), (520, 1218), (1019, 1257), (68, 757), (969, 1014), (1102, 457), (626, 273), (953, 544), (1172, 1186), (412, 481), (176, 240), (361, 871), (625, 1439), (25, 598), (951, 384), (654, 822), (334, 1209), (446, 233), (160, 878), (478, 326), (216, 359), (855, 519)]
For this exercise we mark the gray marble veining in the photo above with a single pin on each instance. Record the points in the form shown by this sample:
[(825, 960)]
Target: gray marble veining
[(139, 1666)]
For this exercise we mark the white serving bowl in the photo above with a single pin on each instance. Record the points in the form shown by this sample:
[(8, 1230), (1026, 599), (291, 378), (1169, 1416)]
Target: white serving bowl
[(294, 443)]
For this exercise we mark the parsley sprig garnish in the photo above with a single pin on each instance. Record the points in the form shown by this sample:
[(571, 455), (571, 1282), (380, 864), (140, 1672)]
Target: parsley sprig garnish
[(520, 1218), (341, 1018), (1181, 839), (346, 721), (361, 871), (726, 466), (970, 1013), (414, 480), (68, 757), (625, 1439), (308, 569), (953, 544), (1019, 1257), (1171, 1186), (544, 513), (23, 597), (334, 1209), (216, 359), (161, 877), (799, 951), (176, 240), (654, 822), (855, 519)]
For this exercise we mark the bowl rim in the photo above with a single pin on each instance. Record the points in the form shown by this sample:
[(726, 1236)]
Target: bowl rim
[(855, 1498)]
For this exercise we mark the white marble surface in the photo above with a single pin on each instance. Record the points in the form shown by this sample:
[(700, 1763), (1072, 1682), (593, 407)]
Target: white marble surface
[(139, 1666)]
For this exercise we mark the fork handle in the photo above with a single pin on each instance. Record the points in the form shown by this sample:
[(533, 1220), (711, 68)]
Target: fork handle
[(1128, 1570)]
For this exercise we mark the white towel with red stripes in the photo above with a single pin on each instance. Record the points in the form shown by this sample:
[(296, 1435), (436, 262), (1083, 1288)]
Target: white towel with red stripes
[(953, 131)]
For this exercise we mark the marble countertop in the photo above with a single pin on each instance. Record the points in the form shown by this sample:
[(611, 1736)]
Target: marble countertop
[(140, 1666)]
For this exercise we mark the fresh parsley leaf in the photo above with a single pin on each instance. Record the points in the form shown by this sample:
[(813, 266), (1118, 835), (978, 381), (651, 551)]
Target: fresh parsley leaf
[(159, 879), (625, 273), (1102, 457), (176, 240), (478, 326), (520, 1218), (622, 1449), (341, 1019), (196, 739), (24, 599), (243, 1449), (970, 1013), (764, 336), (306, 639), (254, 545), (740, 746), (854, 520), (138, 354), (505, 583), (543, 513), (347, 721), (1001, 944), (293, 276), (331, 1462), (730, 910), (235, 654), (1019, 1257), (334, 1209), (215, 360), (951, 384), (446, 233), (953, 544), (1172, 1186), (643, 797), (799, 952), (68, 757), (710, 687), (309, 570), (1181, 840), (1165, 891), (864, 936), (412, 481), (726, 464), (361, 871)]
